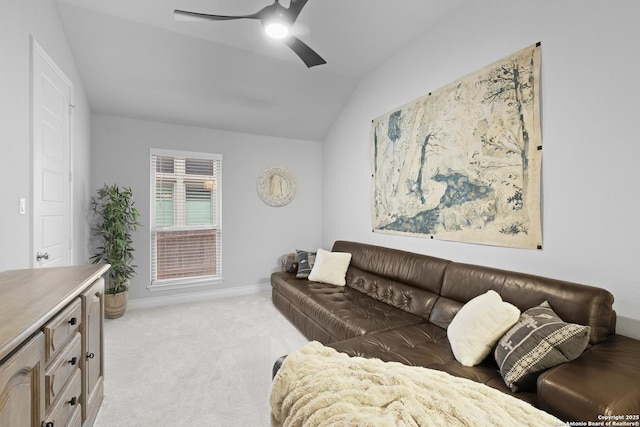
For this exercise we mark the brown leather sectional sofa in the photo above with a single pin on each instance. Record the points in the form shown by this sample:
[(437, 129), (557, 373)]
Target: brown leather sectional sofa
[(397, 305)]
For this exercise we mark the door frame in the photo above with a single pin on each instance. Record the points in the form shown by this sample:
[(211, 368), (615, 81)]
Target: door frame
[(38, 51)]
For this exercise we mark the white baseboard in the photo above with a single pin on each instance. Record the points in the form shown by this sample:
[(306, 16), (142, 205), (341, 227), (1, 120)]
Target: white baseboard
[(197, 296)]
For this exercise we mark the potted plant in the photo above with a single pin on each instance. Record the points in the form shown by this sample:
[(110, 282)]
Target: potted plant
[(115, 220)]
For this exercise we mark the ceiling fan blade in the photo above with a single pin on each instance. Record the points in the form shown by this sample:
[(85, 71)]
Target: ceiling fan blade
[(308, 55), (296, 7), (183, 15)]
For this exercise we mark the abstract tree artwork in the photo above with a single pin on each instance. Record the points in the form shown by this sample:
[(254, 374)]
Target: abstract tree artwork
[(463, 162)]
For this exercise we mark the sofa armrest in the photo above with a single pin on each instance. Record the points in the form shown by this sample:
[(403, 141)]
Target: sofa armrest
[(603, 381)]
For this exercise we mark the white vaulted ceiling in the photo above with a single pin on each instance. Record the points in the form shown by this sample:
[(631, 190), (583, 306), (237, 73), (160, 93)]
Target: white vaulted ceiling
[(137, 61)]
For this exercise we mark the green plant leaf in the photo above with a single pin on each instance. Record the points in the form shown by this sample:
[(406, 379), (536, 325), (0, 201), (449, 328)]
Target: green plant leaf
[(116, 220)]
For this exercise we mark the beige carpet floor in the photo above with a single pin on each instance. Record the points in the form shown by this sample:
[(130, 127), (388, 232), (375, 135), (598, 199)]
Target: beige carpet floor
[(198, 364)]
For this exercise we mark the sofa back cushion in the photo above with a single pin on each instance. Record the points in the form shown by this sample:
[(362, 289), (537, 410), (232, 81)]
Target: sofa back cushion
[(573, 302), (435, 288), (405, 280), (397, 294)]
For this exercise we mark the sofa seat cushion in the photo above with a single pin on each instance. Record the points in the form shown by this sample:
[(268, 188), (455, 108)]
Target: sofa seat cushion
[(426, 345), (418, 345), (343, 312), (604, 380)]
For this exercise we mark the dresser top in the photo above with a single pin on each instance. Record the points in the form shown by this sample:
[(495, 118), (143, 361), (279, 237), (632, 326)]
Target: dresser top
[(29, 298)]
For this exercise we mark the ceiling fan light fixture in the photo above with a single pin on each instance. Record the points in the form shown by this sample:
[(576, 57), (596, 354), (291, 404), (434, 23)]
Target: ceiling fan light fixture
[(276, 29), (277, 22)]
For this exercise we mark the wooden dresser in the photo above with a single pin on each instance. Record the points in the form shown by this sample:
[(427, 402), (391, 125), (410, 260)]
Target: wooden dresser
[(51, 346)]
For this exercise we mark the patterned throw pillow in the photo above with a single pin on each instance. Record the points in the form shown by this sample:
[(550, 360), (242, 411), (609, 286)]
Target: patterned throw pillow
[(305, 260), (288, 263), (538, 341)]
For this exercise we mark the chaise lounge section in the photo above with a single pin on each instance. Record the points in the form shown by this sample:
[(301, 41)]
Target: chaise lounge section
[(397, 306)]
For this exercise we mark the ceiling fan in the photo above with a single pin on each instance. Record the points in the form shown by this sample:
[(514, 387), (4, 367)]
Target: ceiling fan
[(276, 20)]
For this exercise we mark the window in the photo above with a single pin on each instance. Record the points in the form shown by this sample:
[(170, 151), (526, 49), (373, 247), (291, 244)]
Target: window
[(186, 231)]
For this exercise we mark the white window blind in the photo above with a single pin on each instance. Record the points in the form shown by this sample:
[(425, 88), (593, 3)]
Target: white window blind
[(186, 232)]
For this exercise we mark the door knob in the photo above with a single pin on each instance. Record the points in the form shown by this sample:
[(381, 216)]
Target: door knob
[(40, 256)]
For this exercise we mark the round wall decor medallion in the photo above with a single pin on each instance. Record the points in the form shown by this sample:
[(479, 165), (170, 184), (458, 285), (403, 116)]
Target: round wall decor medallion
[(276, 186)]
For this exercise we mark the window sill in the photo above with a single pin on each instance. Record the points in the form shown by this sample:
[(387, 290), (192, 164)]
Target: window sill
[(166, 285)]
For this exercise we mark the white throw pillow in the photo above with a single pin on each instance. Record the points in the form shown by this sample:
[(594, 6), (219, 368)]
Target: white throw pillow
[(330, 267), (478, 326)]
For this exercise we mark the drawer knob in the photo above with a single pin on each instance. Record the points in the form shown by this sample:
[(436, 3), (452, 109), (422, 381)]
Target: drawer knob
[(49, 424), (90, 355), (73, 361), (73, 321), (73, 401)]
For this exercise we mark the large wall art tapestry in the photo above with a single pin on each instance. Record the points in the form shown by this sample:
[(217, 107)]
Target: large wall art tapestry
[(463, 162)]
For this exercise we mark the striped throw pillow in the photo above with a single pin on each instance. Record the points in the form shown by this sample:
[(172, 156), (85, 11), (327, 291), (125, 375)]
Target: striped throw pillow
[(538, 341)]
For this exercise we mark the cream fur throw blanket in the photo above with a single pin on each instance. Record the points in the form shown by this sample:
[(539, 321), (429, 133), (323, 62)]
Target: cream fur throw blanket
[(317, 386)]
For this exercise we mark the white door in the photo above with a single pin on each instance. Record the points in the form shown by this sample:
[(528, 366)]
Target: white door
[(52, 92)]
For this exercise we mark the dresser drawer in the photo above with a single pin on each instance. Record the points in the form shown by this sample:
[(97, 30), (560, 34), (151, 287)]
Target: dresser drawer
[(76, 418), (61, 369), (58, 331), (68, 403)]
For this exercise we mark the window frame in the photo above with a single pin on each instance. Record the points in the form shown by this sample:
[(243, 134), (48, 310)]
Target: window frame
[(184, 282)]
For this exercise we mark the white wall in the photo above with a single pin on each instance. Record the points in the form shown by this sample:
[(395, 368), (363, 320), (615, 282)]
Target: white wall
[(254, 235), (19, 20), (590, 113)]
